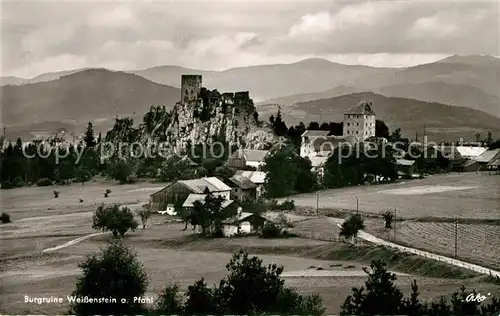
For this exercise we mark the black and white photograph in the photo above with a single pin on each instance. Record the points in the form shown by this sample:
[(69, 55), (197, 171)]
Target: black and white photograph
[(250, 157)]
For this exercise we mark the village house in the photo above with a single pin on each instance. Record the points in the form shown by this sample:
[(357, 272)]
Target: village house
[(243, 223), (247, 157), (177, 192), (242, 188), (257, 177)]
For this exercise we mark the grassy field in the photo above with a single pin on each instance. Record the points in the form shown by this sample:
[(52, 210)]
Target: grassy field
[(467, 195), (170, 255)]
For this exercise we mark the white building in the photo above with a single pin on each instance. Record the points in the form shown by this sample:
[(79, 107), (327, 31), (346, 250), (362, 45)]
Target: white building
[(248, 157), (360, 121)]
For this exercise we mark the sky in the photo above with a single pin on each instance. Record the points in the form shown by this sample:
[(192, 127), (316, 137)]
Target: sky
[(43, 36)]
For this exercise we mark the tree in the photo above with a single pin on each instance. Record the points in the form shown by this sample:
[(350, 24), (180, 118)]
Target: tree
[(210, 214), (115, 219), (121, 171), (382, 297), (388, 218), (381, 129), (170, 301), (89, 137), (114, 273), (352, 226), (83, 174), (288, 173), (5, 218), (144, 214)]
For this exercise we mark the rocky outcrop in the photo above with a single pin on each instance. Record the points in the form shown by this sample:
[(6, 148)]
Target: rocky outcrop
[(226, 123)]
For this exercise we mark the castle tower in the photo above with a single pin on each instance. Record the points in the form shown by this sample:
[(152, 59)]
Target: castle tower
[(190, 87), (359, 121)]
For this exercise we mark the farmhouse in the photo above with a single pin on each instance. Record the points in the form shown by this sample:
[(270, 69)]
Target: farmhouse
[(247, 157), (257, 177), (242, 188), (177, 192), (244, 223)]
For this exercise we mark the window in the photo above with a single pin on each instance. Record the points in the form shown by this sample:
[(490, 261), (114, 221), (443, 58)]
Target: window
[(356, 132), (348, 124), (357, 124)]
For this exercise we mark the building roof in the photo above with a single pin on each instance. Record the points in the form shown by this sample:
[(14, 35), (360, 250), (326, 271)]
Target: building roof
[(242, 182), (468, 151), (161, 190), (200, 185), (362, 108), (488, 155), (327, 143), (189, 202), (257, 177), (310, 133), (405, 162), (241, 217), (251, 154)]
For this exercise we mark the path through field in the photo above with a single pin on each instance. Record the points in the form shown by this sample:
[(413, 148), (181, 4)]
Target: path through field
[(454, 262), (71, 242)]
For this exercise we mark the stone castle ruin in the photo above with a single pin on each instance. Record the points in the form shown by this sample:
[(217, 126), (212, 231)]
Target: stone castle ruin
[(206, 116)]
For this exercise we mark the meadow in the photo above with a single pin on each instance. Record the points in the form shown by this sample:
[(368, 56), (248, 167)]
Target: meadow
[(170, 255)]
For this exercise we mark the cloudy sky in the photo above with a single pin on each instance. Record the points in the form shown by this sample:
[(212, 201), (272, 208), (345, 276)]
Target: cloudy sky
[(43, 36)]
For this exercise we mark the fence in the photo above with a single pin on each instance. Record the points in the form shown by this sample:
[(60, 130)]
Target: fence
[(366, 239)]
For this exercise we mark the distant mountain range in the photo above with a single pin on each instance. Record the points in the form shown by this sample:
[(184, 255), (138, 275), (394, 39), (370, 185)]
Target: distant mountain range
[(80, 95), (88, 95)]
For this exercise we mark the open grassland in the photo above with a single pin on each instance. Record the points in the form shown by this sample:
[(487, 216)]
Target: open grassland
[(476, 243), (171, 255), (465, 195), (174, 256)]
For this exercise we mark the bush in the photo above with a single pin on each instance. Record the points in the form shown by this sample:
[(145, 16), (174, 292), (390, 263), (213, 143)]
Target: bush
[(18, 182), (5, 218), (388, 218), (115, 272), (44, 182), (270, 230), (169, 301), (287, 205), (351, 226), (115, 219), (83, 174)]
